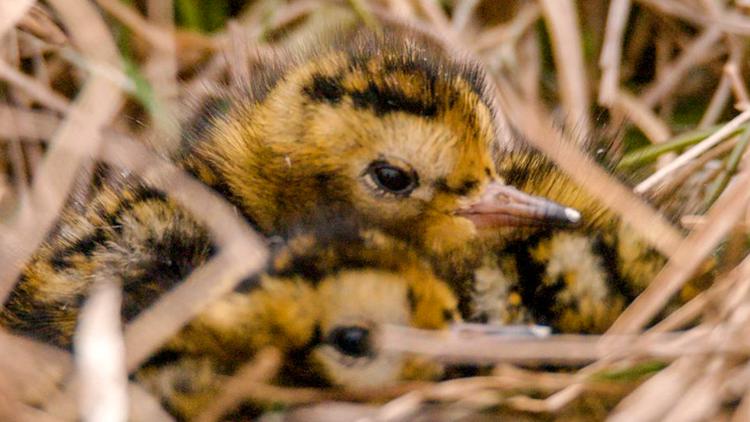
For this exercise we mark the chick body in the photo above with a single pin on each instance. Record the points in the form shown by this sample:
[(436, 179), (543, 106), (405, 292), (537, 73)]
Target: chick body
[(388, 124), (130, 234), (320, 303), (575, 280)]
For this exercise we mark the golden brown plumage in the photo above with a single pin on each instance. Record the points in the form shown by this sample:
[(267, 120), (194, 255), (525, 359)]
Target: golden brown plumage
[(320, 301), (392, 128), (388, 124), (385, 125), (576, 280), (130, 234)]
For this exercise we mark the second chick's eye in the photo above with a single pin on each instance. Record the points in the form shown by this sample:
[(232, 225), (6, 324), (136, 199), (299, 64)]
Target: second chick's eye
[(351, 341), (392, 179)]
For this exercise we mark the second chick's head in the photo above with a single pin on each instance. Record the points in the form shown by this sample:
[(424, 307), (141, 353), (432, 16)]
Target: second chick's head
[(323, 302), (388, 124), (363, 279)]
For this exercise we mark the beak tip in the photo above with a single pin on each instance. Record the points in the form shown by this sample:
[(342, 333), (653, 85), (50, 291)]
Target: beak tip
[(572, 215)]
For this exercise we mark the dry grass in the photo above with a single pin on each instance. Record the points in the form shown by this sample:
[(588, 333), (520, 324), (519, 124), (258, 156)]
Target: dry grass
[(656, 68)]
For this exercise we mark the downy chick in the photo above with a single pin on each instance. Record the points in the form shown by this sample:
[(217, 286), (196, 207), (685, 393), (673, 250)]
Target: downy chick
[(389, 124), (386, 125), (320, 302), (574, 280)]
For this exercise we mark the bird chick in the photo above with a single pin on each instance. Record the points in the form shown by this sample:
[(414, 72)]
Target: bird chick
[(321, 303), (575, 280), (385, 125), (389, 124)]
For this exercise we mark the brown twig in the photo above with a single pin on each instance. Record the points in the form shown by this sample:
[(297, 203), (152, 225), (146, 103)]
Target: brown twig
[(611, 55), (687, 258), (693, 152), (649, 224), (675, 72), (11, 13), (562, 22), (94, 107)]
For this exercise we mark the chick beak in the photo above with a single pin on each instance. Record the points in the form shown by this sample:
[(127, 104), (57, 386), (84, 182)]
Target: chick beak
[(501, 205)]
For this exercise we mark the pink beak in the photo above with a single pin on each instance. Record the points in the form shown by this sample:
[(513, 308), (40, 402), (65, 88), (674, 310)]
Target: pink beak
[(501, 205)]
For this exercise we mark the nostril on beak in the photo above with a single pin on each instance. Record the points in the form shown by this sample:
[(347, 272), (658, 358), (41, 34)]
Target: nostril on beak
[(503, 205)]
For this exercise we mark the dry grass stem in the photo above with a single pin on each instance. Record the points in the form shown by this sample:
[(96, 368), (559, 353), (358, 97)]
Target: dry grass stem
[(729, 22), (540, 133), (242, 253), (463, 14), (655, 129), (100, 356), (693, 152), (30, 125), (687, 258), (675, 72), (506, 32), (436, 16), (161, 70), (681, 175), (738, 86), (39, 23), (38, 91), (160, 37), (609, 61), (562, 20), (33, 369), (669, 385), (95, 106), (11, 12), (717, 104), (263, 366)]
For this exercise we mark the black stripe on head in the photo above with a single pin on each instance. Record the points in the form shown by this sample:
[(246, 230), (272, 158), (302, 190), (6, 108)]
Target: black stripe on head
[(84, 246), (383, 100), (325, 89), (465, 187), (439, 68), (140, 194), (407, 50)]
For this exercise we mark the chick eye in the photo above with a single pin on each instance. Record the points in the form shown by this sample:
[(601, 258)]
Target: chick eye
[(351, 341), (392, 179)]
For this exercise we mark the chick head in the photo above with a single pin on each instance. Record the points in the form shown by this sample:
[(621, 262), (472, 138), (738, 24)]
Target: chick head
[(322, 302), (364, 280), (389, 124)]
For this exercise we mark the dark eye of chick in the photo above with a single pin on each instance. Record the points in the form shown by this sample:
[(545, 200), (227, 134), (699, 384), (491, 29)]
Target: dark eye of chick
[(351, 341), (392, 179)]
